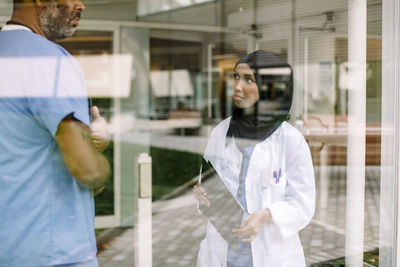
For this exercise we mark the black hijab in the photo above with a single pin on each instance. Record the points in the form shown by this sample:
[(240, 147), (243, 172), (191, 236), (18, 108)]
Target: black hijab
[(274, 79)]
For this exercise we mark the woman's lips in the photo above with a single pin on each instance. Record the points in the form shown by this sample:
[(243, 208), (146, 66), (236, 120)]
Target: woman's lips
[(236, 97)]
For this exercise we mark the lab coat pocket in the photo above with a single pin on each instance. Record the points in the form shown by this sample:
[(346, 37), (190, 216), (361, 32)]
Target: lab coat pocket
[(272, 190), (277, 189)]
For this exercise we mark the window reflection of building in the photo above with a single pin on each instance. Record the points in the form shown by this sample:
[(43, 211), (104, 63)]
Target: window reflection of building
[(183, 50)]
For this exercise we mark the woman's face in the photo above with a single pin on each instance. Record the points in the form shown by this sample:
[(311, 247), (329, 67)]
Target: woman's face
[(244, 86)]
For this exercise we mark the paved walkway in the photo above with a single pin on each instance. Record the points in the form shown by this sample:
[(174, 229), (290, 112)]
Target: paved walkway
[(178, 229)]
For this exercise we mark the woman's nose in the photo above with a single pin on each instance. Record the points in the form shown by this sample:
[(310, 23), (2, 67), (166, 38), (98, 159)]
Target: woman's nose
[(237, 86)]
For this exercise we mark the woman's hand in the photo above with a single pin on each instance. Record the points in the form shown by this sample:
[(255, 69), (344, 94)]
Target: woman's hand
[(95, 192), (201, 195), (251, 225)]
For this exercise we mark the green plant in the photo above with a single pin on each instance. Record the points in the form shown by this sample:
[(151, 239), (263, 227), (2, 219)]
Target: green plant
[(172, 168)]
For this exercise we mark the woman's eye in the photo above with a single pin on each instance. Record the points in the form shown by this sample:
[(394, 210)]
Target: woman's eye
[(235, 76), (249, 80)]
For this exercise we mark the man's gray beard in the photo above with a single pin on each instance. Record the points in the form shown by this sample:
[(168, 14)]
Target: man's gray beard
[(55, 21)]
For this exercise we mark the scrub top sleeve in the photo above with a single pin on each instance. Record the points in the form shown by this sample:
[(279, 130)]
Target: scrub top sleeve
[(293, 214), (51, 111), (67, 95)]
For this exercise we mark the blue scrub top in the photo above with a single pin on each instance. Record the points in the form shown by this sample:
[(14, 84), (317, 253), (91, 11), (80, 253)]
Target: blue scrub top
[(241, 256), (46, 217)]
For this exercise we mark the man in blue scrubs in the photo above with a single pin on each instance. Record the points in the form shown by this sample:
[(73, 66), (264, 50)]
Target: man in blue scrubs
[(50, 151)]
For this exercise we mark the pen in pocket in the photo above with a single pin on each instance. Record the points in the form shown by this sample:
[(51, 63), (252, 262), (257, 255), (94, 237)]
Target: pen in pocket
[(277, 175)]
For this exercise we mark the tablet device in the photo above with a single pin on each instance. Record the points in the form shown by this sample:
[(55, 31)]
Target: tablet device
[(225, 212)]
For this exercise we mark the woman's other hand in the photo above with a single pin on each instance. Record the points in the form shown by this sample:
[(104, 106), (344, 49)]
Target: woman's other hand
[(201, 195), (251, 225)]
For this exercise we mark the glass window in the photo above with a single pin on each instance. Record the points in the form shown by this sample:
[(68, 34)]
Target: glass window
[(274, 118)]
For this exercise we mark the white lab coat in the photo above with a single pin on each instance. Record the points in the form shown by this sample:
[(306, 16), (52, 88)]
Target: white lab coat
[(291, 200)]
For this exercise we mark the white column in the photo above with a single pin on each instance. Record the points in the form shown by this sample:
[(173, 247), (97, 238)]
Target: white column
[(292, 36), (209, 78), (388, 227), (143, 233), (305, 77), (357, 46)]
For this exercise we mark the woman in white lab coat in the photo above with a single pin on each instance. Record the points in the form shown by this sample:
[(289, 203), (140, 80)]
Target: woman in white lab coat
[(266, 164)]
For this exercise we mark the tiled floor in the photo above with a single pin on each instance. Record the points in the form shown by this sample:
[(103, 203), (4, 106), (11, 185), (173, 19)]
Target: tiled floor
[(178, 229)]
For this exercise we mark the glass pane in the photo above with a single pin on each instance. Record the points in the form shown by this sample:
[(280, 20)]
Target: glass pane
[(295, 144), (91, 48)]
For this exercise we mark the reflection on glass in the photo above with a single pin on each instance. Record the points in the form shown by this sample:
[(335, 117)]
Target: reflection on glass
[(162, 74)]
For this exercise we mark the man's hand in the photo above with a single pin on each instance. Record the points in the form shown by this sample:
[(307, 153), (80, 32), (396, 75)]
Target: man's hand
[(98, 130), (98, 190), (201, 195), (251, 225)]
